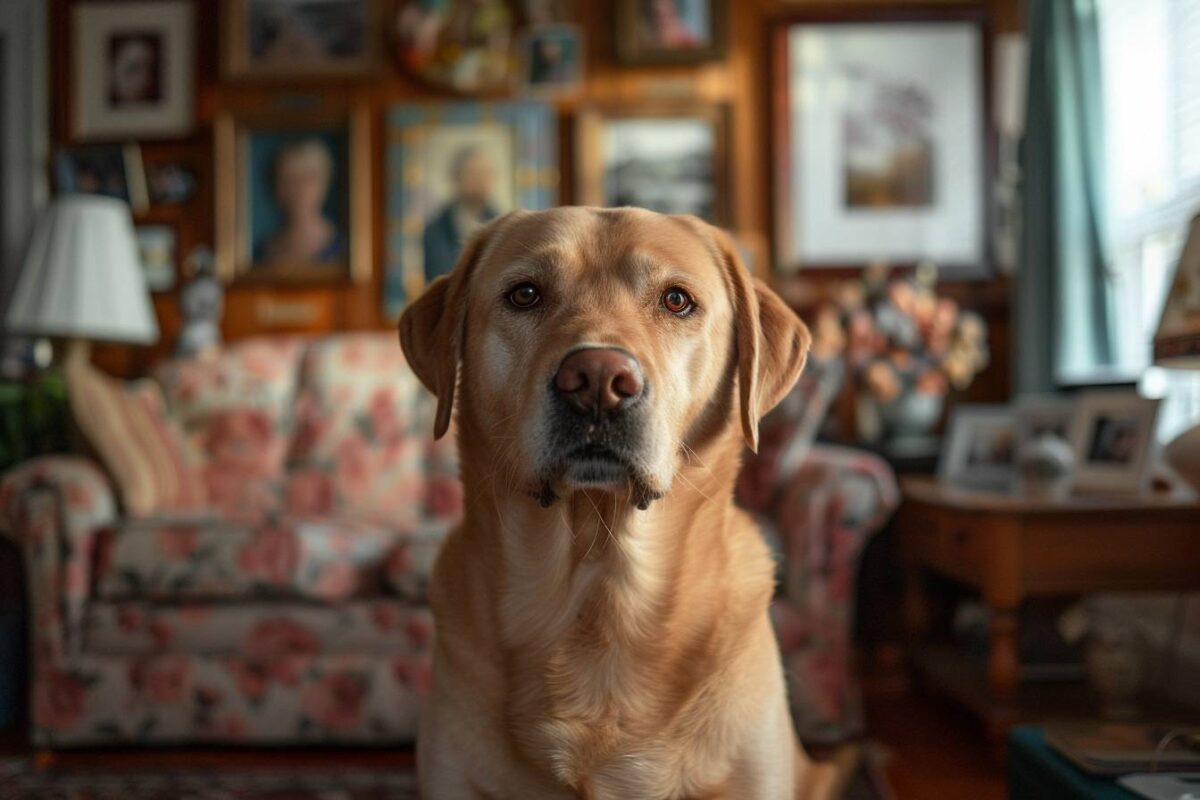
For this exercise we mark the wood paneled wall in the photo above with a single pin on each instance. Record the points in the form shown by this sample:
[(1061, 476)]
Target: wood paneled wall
[(741, 80)]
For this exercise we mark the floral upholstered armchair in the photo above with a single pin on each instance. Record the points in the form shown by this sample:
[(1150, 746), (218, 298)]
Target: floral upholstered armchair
[(289, 606)]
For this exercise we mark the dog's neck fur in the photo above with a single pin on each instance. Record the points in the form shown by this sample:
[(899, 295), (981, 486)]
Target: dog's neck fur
[(591, 608)]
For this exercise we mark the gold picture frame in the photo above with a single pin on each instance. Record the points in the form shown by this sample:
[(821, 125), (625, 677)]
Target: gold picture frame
[(239, 62), (247, 146), (592, 187)]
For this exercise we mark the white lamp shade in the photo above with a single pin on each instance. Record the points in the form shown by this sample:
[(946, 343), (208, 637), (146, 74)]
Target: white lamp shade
[(82, 276)]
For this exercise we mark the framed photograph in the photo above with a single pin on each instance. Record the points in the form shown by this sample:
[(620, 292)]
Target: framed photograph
[(134, 69), (108, 170), (880, 140), (552, 59), (669, 158), (464, 46), (979, 450), (300, 38), (1040, 415), (670, 31), (157, 247), (452, 168), (1113, 440), (294, 197)]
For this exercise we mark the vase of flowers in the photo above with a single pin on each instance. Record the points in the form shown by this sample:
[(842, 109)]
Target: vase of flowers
[(904, 349)]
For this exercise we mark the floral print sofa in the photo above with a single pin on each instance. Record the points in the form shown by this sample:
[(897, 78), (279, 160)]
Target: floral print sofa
[(292, 609)]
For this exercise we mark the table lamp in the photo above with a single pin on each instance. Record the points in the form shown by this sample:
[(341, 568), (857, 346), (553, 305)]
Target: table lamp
[(82, 279), (1177, 346)]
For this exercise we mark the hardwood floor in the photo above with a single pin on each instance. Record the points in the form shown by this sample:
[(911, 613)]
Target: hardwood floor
[(934, 750)]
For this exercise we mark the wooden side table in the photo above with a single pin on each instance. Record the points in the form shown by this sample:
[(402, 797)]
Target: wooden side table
[(1010, 548)]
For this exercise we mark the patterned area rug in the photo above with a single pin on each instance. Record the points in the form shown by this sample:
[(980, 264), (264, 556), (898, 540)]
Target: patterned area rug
[(20, 781)]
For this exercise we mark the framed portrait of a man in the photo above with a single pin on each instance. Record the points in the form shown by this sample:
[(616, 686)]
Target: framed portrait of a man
[(293, 197), (133, 70), (453, 168)]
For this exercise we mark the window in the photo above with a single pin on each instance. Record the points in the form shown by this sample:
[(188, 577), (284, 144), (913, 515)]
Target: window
[(1150, 67)]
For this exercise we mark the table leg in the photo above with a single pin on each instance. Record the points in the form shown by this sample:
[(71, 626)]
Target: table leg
[(1003, 662)]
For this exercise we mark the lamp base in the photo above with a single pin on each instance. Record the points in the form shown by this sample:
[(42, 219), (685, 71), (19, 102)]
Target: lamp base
[(1182, 454), (71, 352)]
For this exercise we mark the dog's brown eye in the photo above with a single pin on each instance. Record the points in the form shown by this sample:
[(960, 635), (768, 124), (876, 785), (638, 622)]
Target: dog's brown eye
[(677, 301), (524, 296)]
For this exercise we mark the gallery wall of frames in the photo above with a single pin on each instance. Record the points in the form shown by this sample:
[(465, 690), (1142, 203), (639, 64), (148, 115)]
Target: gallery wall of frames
[(332, 156)]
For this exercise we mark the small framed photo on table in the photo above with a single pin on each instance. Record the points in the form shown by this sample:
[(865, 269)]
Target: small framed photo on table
[(1113, 440), (667, 157), (979, 450), (133, 69), (880, 140), (294, 197), (1039, 416)]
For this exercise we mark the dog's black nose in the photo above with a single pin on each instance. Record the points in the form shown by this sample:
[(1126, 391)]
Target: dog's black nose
[(601, 378)]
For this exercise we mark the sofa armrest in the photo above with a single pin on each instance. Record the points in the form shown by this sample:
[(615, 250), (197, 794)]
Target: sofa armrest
[(53, 507), (829, 508)]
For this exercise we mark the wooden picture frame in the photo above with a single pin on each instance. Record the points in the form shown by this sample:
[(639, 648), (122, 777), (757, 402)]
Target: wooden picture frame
[(242, 168), (850, 191), (237, 40), (518, 146), (633, 34), (133, 70), (593, 186)]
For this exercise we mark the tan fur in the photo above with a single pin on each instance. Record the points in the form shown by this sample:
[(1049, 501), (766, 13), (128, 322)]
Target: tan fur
[(590, 649)]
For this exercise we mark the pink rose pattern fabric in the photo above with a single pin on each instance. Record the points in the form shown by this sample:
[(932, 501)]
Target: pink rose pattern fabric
[(231, 659), (362, 444), (236, 408), (279, 557), (380, 626)]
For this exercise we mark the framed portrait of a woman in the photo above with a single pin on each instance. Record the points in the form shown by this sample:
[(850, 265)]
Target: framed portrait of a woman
[(293, 197)]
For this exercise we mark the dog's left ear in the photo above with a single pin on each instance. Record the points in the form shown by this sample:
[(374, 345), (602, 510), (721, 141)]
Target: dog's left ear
[(432, 330), (772, 342)]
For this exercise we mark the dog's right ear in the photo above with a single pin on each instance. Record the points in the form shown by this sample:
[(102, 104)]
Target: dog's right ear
[(432, 328)]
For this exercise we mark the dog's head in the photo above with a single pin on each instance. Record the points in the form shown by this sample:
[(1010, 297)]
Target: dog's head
[(596, 347)]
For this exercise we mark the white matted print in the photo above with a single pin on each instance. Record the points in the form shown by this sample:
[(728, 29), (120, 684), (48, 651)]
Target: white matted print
[(134, 69), (884, 145), (1114, 436)]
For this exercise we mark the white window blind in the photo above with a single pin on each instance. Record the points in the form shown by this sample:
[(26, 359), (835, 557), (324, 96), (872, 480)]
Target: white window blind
[(1150, 68)]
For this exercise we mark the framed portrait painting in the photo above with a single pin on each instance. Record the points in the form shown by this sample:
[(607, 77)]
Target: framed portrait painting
[(293, 197), (300, 38), (671, 158), (880, 140), (133, 69), (452, 168), (669, 31)]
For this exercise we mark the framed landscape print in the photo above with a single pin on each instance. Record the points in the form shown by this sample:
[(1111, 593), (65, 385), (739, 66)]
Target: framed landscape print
[(300, 38), (880, 140), (293, 197), (669, 31), (133, 69), (664, 157), (157, 249), (451, 169)]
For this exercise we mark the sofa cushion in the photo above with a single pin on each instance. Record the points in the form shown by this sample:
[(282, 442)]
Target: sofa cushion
[(151, 462), (235, 407), (280, 557), (363, 442), (258, 632)]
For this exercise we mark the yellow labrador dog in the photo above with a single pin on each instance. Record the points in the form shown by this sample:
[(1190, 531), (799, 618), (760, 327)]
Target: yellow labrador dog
[(601, 611)]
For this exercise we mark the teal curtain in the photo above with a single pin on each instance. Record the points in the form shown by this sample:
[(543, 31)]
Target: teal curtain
[(1063, 292)]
